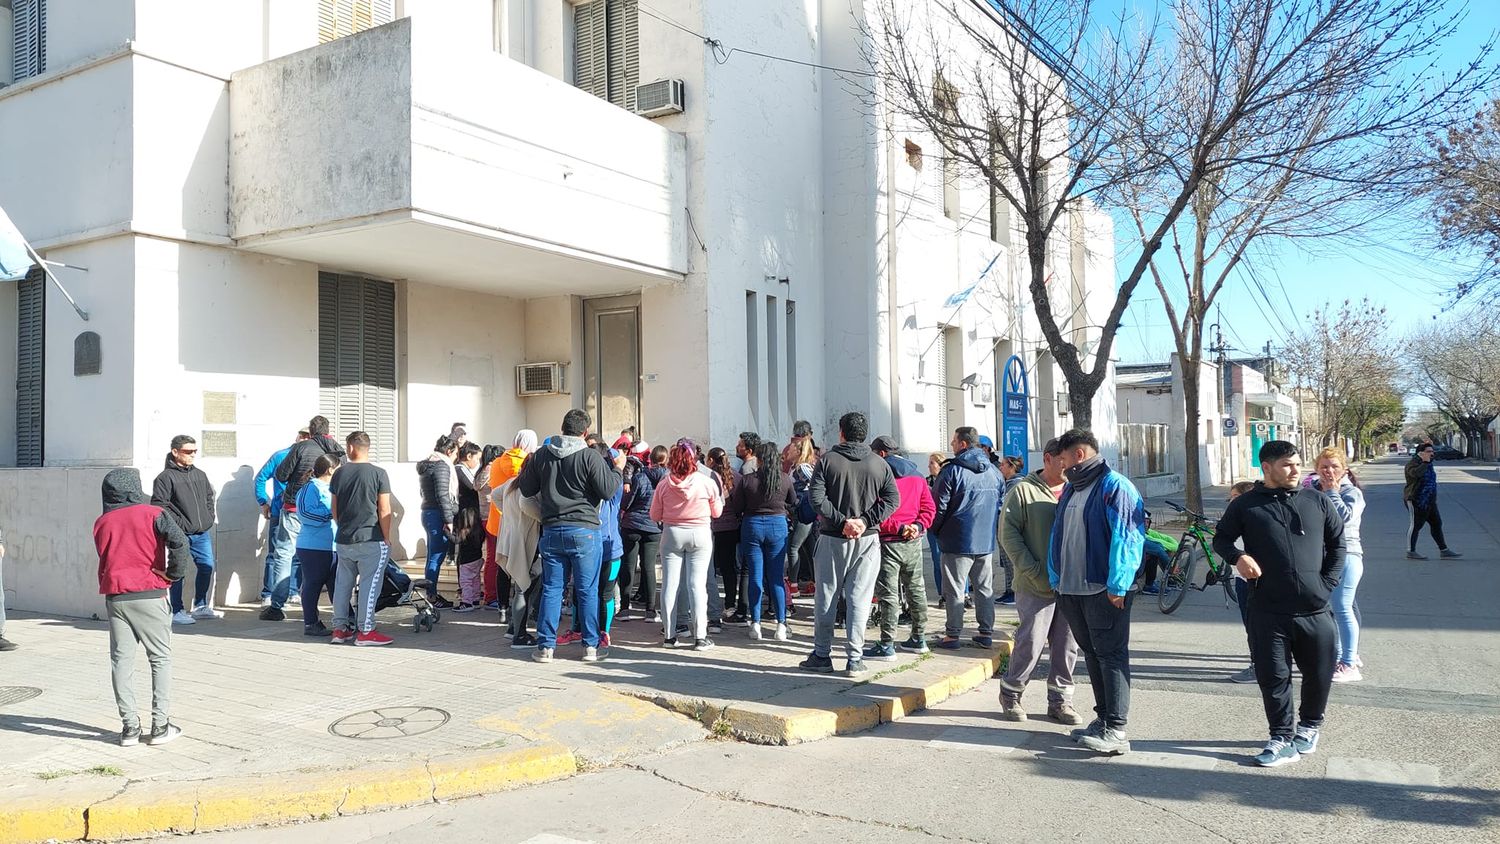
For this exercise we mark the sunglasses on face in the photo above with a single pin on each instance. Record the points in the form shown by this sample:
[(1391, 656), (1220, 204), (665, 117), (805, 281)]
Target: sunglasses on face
[(187, 451)]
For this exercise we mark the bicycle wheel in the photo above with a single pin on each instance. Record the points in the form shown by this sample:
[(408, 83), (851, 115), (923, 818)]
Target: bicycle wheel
[(1178, 576)]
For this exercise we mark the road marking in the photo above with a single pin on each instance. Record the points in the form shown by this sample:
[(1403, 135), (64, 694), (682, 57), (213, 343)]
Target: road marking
[(1382, 771), (982, 739)]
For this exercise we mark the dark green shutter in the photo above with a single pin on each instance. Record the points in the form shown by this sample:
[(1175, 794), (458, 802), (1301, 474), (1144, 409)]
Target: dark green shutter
[(31, 334)]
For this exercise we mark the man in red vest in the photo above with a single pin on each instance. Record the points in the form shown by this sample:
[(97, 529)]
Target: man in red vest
[(142, 552)]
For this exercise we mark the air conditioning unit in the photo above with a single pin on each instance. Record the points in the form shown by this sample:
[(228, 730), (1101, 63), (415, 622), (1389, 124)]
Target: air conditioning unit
[(539, 379), (660, 98)]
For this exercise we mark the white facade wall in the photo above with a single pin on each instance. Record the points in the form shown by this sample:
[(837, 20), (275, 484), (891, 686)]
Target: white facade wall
[(774, 182)]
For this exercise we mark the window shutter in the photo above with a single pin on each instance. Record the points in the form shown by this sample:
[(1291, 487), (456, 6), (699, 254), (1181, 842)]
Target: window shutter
[(357, 359), (31, 312), (591, 48), (28, 38), (624, 60), (338, 18)]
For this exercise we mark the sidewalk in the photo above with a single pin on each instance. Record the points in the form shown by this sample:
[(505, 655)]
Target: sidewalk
[(279, 727)]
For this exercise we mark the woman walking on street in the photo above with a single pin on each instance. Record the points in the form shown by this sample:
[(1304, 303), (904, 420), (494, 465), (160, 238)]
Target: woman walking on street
[(315, 543), (686, 501), (762, 500), (1336, 481), (439, 507)]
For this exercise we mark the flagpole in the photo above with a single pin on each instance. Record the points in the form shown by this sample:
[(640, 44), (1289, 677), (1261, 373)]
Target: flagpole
[(82, 314)]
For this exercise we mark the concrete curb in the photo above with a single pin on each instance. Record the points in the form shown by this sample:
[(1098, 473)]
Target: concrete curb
[(810, 715), (141, 810)]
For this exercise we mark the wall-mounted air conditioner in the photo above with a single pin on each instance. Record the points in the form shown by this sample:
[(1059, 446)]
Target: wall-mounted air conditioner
[(540, 379), (660, 98)]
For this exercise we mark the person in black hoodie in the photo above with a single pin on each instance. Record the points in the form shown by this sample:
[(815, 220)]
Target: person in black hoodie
[(293, 473), (1293, 558), (853, 491), (568, 479), (184, 492)]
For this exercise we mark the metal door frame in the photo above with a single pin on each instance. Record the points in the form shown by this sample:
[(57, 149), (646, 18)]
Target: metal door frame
[(592, 310)]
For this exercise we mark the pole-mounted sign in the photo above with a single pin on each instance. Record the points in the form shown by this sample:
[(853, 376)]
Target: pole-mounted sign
[(1015, 397)]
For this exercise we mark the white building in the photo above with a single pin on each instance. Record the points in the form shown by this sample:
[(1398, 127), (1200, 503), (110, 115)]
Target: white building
[(378, 210)]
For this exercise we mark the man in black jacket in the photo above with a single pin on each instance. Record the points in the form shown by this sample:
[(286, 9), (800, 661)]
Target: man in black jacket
[(1293, 558), (293, 474), (853, 491), (568, 479), (184, 492)]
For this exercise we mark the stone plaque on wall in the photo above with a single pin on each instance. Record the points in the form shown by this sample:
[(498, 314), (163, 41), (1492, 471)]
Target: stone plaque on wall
[(219, 444), (219, 408)]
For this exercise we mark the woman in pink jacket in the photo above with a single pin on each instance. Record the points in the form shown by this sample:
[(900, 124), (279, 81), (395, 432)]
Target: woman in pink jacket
[(685, 502)]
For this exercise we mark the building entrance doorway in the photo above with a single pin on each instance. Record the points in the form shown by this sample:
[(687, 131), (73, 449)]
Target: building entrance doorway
[(612, 363)]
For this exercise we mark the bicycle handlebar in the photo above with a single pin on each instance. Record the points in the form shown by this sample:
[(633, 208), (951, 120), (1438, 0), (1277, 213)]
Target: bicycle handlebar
[(1181, 509)]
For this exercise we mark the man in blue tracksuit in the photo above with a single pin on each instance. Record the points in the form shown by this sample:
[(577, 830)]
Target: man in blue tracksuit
[(270, 508), (967, 496), (1092, 560)]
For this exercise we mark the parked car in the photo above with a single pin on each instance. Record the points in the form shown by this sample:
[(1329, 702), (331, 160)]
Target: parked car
[(1446, 452)]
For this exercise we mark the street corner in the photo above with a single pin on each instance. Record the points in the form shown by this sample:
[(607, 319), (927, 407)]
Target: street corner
[(57, 815)]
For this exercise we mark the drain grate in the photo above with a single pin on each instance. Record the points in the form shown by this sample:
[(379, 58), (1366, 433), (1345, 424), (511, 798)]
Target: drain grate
[(16, 694), (389, 722)]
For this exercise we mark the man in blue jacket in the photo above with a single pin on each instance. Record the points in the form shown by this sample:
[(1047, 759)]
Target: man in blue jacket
[(1092, 562), (270, 508), (967, 495)]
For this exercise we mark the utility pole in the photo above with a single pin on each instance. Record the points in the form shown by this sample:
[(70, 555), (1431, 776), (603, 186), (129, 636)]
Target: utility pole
[(1218, 349)]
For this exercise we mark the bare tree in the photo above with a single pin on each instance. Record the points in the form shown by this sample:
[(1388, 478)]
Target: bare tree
[(1466, 191), (1028, 96), (1455, 364), (1339, 356)]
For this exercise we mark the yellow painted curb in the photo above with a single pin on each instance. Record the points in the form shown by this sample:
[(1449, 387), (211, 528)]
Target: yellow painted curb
[(57, 815), (151, 809)]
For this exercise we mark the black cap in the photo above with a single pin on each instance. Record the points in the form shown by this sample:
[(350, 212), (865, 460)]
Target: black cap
[(884, 443)]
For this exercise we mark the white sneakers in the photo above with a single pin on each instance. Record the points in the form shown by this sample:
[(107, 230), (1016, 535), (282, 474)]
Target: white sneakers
[(755, 630), (183, 617), (782, 633), (207, 613)]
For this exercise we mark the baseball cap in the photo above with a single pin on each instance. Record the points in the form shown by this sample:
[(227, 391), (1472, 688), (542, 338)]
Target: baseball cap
[(884, 443), (986, 442)]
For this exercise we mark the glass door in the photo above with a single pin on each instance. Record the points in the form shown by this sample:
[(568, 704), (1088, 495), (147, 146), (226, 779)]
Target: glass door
[(612, 368)]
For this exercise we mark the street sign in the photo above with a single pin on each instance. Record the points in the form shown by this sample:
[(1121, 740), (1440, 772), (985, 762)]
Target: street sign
[(1231, 426), (1015, 396)]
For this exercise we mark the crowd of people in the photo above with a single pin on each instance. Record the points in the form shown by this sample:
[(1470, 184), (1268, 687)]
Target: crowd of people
[(571, 520)]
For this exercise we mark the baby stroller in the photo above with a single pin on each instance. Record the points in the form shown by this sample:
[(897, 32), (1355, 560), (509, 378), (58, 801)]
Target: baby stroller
[(398, 589)]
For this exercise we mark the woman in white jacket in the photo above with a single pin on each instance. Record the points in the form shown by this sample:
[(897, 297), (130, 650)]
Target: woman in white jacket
[(1339, 484)]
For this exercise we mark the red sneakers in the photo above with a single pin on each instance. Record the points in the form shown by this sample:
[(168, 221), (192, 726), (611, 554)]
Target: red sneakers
[(569, 638), (342, 635), (603, 640), (374, 637)]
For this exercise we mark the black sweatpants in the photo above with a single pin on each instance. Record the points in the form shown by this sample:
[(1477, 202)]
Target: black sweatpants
[(727, 562), (638, 569), (1429, 516), (1276, 641), (1103, 635)]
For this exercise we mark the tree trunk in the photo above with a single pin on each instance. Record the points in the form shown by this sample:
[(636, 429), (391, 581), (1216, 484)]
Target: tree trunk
[(1191, 475)]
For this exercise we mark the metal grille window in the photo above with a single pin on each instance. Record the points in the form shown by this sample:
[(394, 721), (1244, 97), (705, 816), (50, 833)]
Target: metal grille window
[(28, 38), (357, 359), (607, 50), (337, 18), (31, 333)]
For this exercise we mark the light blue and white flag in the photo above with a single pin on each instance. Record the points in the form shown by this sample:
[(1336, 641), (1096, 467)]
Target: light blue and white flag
[(963, 295), (15, 259)]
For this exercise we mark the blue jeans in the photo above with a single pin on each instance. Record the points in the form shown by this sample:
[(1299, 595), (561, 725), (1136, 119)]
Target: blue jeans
[(937, 561), (1345, 615), (569, 550), (273, 539), (283, 552), (763, 543), (437, 547), (201, 545)]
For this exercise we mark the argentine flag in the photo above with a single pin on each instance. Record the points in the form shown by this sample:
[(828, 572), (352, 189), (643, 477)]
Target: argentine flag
[(15, 260)]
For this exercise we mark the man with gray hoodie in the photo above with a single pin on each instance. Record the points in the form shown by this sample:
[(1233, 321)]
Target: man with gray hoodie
[(568, 479), (853, 491)]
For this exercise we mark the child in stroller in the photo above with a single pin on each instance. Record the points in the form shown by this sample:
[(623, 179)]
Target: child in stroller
[(397, 589)]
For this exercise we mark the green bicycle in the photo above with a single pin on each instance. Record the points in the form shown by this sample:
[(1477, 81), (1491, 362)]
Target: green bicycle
[(1182, 572)]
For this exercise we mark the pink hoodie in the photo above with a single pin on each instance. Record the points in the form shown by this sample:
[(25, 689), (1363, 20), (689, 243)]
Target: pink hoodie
[(687, 502)]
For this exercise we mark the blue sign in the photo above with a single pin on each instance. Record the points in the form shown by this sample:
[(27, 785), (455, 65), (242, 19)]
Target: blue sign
[(1015, 396)]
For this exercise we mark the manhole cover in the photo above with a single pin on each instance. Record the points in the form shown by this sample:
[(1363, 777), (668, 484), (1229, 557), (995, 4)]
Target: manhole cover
[(16, 694), (389, 722)]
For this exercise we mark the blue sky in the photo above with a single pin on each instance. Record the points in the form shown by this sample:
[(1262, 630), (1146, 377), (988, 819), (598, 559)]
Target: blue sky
[(1392, 265)]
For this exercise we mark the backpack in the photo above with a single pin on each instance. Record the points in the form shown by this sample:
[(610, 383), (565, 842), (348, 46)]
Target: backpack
[(806, 515)]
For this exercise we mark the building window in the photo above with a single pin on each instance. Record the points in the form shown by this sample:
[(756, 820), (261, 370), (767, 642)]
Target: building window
[(773, 353), (752, 356), (999, 205), (87, 355), (945, 103), (607, 50), (791, 359), (357, 359), (31, 334), (337, 18), (28, 41)]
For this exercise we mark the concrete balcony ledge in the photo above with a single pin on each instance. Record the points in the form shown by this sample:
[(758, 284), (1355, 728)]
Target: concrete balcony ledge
[(392, 153)]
